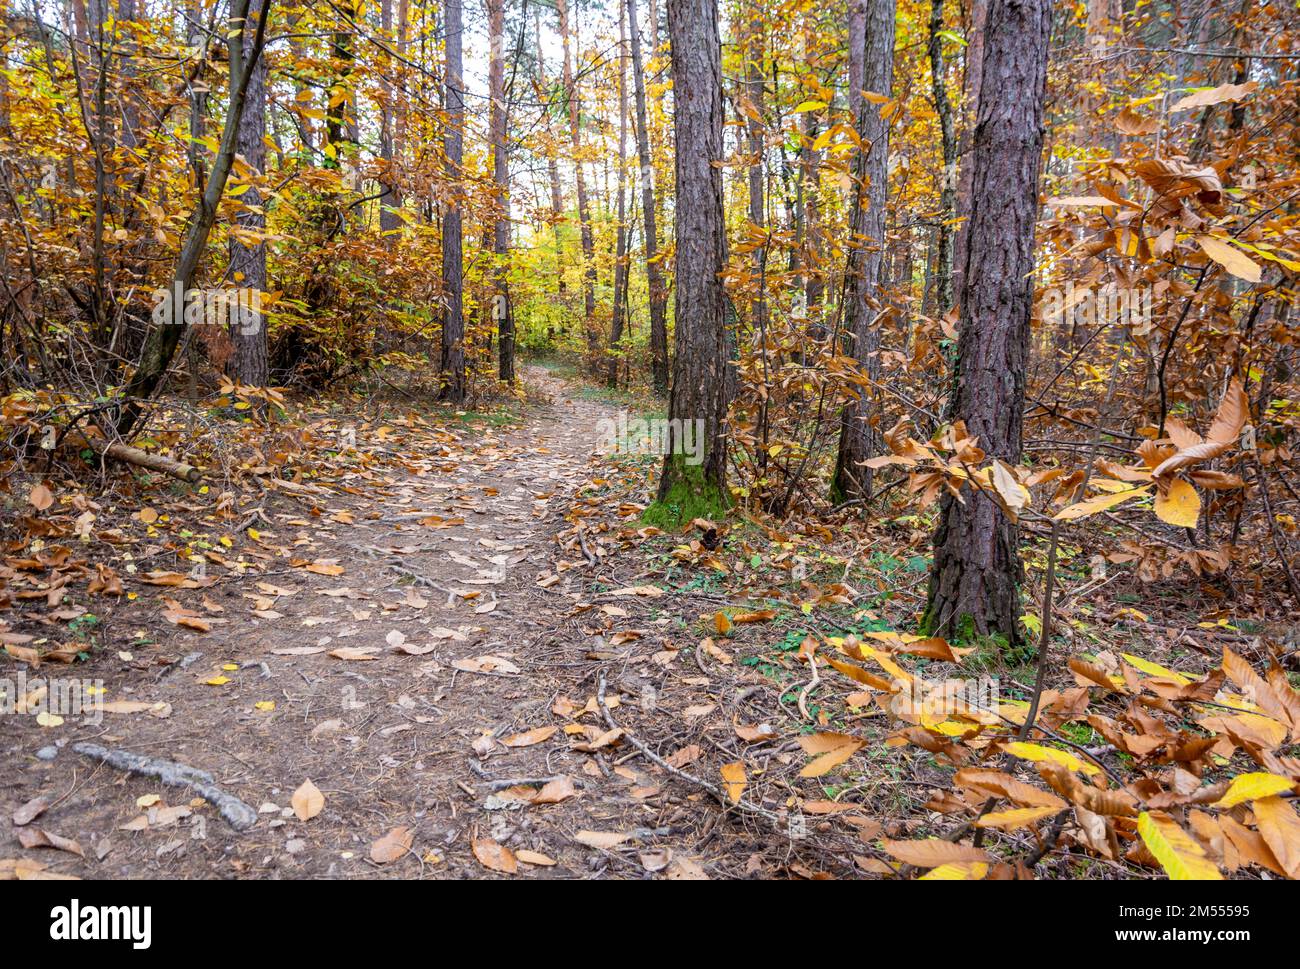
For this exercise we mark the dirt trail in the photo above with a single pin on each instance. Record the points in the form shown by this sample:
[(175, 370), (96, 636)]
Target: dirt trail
[(388, 736)]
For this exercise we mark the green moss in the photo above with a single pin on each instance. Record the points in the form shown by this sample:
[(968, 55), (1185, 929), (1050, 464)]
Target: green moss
[(689, 496)]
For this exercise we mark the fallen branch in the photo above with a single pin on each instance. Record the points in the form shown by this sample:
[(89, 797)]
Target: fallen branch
[(238, 815), (141, 459)]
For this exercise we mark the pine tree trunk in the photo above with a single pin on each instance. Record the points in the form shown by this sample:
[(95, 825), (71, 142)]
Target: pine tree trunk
[(452, 365), (700, 368), (584, 209), (248, 363), (501, 310), (390, 222), (974, 585), (654, 272), (948, 145), (871, 31), (620, 244), (552, 164)]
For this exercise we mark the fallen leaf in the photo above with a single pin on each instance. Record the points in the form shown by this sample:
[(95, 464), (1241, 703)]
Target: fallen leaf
[(392, 846), (495, 857), (308, 801)]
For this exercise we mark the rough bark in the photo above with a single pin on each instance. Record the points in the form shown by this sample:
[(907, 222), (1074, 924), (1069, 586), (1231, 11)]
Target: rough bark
[(584, 209), (948, 145), (700, 379), (754, 124), (979, 11), (974, 582), (161, 341), (654, 272), (390, 223), (620, 243), (871, 26), (502, 310), (452, 365), (248, 362), (552, 162)]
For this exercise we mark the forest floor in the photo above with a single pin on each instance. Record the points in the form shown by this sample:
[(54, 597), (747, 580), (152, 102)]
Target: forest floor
[(407, 644), (426, 636)]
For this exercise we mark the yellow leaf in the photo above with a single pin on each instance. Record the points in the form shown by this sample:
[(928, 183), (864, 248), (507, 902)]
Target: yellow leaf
[(1037, 752), (1179, 855), (1015, 818), (969, 871), (1091, 506), (1250, 787), (809, 106), (1179, 505), (1231, 259), (734, 775), (1155, 669)]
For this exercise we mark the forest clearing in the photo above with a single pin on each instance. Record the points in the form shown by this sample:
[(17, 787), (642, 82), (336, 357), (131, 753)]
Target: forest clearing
[(650, 440)]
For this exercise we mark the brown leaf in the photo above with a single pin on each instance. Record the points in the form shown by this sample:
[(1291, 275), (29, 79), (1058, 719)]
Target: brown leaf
[(495, 857), (534, 858), (1279, 826), (529, 737), (40, 497), (39, 838), (392, 846), (307, 801), (933, 852), (31, 810)]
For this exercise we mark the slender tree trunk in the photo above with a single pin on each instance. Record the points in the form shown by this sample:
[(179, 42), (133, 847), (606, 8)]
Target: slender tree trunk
[(584, 211), (340, 110), (501, 310), (390, 223), (552, 163), (948, 146), (754, 125), (162, 339), (653, 269), (620, 247), (871, 30), (453, 319), (979, 12), (700, 366), (248, 362), (974, 585)]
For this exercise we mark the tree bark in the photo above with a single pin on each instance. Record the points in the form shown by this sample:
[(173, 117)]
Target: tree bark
[(974, 584), (452, 365), (501, 310), (248, 363), (620, 245), (754, 125), (700, 378), (654, 272), (390, 223), (161, 341), (584, 210), (871, 31), (552, 163), (979, 12), (948, 146)]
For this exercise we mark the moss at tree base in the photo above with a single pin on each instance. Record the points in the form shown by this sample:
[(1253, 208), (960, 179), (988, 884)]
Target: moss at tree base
[(689, 496)]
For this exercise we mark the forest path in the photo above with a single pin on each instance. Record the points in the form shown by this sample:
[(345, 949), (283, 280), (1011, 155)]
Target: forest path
[(419, 652)]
